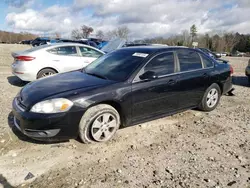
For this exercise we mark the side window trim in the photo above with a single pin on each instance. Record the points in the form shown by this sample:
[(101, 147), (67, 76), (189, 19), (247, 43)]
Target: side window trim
[(202, 62), (89, 49), (203, 68), (141, 71), (64, 54)]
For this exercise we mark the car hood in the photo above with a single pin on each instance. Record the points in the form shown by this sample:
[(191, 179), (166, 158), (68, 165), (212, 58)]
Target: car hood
[(46, 87), (113, 45)]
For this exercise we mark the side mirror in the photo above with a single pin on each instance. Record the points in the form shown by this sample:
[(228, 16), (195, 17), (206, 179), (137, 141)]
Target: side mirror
[(148, 75)]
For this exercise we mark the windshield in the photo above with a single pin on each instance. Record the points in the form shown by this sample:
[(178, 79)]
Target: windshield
[(117, 66)]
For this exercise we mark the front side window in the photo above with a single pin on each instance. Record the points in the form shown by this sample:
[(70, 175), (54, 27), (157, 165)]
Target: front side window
[(118, 65), (64, 50), (88, 52), (162, 64), (189, 60)]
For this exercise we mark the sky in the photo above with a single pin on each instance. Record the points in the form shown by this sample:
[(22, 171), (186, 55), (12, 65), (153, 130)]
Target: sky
[(144, 18)]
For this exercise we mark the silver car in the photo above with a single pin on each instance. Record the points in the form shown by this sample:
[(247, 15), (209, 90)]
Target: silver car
[(47, 60)]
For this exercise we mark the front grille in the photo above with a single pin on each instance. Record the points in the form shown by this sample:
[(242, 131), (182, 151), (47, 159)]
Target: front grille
[(19, 104)]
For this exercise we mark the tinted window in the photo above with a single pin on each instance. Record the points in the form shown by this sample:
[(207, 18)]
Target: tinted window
[(64, 50), (162, 64), (189, 60), (118, 65), (88, 52), (207, 62)]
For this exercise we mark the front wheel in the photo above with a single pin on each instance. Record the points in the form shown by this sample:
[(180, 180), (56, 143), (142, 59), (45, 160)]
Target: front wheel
[(99, 124), (211, 98)]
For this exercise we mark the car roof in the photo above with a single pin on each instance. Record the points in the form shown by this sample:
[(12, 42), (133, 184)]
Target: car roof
[(68, 43), (153, 49)]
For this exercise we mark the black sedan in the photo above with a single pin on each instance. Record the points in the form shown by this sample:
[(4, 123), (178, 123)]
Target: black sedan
[(120, 89)]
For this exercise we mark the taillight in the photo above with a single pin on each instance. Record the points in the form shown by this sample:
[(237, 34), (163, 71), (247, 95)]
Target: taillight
[(231, 70), (24, 58)]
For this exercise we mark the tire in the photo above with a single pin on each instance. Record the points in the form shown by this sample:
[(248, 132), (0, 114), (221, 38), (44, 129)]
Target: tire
[(94, 128), (208, 104), (45, 72), (249, 80)]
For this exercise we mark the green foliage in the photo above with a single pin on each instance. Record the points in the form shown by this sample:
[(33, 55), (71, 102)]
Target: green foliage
[(193, 31)]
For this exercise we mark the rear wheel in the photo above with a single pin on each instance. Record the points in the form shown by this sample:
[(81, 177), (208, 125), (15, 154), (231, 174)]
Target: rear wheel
[(45, 72), (99, 124), (211, 98), (248, 79)]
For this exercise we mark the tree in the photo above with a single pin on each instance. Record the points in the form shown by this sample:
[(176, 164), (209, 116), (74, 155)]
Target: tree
[(193, 32), (57, 35), (86, 31), (83, 32), (185, 37), (120, 32), (100, 34), (76, 34)]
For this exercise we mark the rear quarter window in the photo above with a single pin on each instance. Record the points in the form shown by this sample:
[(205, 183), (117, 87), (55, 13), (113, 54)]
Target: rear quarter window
[(207, 62)]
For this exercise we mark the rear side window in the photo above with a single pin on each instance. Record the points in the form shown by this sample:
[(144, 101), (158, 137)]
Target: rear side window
[(207, 62), (64, 50), (189, 60), (162, 64), (88, 52)]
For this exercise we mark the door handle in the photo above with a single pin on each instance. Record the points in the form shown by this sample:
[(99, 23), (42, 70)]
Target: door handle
[(56, 60), (171, 82)]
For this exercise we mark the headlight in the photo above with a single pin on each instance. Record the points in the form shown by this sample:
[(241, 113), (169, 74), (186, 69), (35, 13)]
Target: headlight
[(52, 106)]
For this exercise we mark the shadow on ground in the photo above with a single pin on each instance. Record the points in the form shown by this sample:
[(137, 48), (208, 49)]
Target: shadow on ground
[(241, 81), (15, 81), (4, 182), (25, 138)]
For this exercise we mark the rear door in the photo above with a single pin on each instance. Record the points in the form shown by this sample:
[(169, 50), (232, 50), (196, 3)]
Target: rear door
[(65, 58), (195, 77), (157, 96), (88, 55)]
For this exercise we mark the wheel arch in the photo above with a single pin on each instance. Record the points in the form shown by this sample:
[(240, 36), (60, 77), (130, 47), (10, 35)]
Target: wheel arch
[(116, 105), (221, 87), (47, 68)]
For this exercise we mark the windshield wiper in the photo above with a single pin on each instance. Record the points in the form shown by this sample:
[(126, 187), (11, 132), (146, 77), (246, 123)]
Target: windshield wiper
[(97, 75)]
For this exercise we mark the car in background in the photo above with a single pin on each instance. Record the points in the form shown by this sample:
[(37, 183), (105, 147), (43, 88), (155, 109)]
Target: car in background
[(28, 42), (120, 89), (47, 60), (102, 44), (247, 71), (52, 41), (40, 41), (210, 53)]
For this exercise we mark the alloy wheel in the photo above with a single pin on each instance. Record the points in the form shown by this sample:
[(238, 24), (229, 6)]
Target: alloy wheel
[(47, 74), (212, 98), (104, 127)]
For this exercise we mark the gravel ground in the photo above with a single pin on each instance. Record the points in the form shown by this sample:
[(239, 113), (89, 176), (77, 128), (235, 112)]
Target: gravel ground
[(190, 149)]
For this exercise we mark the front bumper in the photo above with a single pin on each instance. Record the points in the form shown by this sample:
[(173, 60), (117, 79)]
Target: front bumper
[(247, 71), (60, 126)]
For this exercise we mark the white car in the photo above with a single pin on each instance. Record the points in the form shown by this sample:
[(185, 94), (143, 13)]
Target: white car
[(50, 59)]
